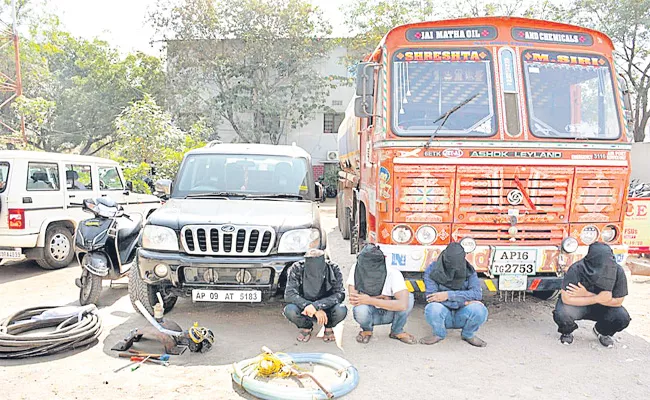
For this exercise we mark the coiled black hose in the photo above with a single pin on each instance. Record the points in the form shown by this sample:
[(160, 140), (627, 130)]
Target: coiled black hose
[(71, 332)]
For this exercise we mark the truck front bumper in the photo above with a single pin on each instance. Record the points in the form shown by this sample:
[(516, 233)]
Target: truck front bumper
[(261, 273), (491, 285)]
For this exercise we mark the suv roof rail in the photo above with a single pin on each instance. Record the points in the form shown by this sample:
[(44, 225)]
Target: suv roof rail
[(213, 143)]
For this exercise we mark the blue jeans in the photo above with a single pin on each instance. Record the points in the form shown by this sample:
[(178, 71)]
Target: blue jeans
[(334, 314), (468, 318), (369, 316)]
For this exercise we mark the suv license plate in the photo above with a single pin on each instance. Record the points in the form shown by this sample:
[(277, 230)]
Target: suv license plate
[(229, 296), (10, 254)]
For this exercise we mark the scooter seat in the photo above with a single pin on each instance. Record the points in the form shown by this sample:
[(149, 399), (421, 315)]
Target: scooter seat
[(129, 227)]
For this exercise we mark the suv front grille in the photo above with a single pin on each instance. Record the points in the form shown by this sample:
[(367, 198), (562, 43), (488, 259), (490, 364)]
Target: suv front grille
[(227, 240)]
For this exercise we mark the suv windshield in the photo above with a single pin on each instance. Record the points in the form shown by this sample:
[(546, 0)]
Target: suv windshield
[(234, 174), (570, 96), (429, 83), (4, 175)]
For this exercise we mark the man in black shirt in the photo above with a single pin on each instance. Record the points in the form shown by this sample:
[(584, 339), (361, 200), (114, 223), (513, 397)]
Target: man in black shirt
[(593, 289), (315, 292)]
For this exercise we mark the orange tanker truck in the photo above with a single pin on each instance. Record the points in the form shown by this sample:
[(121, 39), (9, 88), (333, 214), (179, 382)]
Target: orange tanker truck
[(508, 135)]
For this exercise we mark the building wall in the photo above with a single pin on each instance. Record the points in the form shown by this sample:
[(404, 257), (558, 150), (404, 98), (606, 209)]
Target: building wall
[(641, 161), (311, 136)]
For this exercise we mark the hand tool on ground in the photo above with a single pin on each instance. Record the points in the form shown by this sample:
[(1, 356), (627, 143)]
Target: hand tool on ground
[(151, 361), (130, 354), (139, 364), (169, 333)]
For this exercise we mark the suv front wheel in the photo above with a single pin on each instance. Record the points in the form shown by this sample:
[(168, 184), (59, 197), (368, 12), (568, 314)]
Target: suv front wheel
[(58, 251), (140, 290)]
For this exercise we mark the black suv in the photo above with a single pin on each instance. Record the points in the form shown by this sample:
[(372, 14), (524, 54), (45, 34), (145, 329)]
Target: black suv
[(236, 217)]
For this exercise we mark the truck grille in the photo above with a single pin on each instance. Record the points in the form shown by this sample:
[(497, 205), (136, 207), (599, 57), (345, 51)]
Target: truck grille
[(227, 240), (598, 194), (482, 194), (498, 234), (425, 193)]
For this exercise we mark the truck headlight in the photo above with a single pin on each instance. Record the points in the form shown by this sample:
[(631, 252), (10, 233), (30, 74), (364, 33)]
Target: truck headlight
[(609, 233), (299, 241), (156, 237), (570, 245), (401, 234), (589, 234), (469, 244), (426, 234)]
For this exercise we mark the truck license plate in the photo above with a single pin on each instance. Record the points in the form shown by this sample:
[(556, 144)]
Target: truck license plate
[(514, 260), (10, 254), (229, 296)]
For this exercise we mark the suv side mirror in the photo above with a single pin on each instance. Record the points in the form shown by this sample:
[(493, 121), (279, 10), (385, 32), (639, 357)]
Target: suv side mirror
[(319, 192), (129, 186), (163, 188)]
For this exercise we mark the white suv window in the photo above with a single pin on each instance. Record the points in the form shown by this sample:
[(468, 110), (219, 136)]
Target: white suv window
[(109, 179), (4, 176), (42, 176), (78, 177)]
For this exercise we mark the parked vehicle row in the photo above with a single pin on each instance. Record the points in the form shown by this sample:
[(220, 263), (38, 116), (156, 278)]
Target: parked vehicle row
[(41, 197)]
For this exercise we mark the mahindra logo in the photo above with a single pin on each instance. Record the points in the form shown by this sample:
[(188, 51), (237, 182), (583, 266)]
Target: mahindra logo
[(228, 228)]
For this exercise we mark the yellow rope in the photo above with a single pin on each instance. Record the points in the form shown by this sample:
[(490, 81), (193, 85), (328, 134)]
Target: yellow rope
[(269, 364)]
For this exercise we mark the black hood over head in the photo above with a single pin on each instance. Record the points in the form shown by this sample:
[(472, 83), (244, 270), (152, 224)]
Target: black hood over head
[(318, 277), (370, 272), (451, 268), (600, 267)]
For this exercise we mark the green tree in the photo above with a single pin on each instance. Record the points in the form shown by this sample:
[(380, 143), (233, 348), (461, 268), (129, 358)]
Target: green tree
[(627, 23), (369, 20), (250, 63), (146, 137), (80, 86)]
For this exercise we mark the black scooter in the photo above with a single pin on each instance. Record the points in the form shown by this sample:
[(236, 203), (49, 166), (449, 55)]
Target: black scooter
[(105, 246)]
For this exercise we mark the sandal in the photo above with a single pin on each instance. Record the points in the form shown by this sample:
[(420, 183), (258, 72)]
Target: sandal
[(304, 336), (404, 337), (328, 336), (364, 336)]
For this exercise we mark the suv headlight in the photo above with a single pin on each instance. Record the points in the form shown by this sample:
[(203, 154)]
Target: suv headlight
[(299, 241), (156, 237)]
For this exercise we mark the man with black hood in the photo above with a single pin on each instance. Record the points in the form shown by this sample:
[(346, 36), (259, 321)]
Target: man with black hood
[(315, 292), (593, 289), (453, 292), (379, 296)]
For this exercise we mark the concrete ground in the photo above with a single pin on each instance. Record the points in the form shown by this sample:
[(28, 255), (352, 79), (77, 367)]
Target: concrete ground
[(523, 359)]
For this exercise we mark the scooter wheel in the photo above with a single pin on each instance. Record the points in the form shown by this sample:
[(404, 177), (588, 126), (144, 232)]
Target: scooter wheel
[(91, 288)]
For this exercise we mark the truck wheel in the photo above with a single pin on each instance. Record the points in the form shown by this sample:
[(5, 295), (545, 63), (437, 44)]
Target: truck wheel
[(91, 288), (545, 294), (140, 290), (344, 223), (58, 251)]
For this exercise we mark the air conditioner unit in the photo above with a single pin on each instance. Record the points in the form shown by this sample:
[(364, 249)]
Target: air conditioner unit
[(332, 156)]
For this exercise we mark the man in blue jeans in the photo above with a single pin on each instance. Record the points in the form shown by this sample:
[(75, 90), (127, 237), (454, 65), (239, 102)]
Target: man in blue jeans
[(453, 292), (379, 296)]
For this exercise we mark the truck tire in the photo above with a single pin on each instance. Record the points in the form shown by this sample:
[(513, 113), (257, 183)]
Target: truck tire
[(58, 251), (91, 288), (140, 290), (344, 223)]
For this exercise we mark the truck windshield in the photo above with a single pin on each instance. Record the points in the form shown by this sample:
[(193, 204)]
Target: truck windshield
[(570, 96), (4, 175), (233, 174), (428, 83)]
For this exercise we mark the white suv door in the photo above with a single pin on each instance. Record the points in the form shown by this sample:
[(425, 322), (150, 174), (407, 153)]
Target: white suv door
[(79, 185)]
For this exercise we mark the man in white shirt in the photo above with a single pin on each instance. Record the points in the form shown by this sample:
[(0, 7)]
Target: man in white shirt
[(379, 296)]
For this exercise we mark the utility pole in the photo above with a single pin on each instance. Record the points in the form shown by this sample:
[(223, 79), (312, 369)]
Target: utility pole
[(11, 87)]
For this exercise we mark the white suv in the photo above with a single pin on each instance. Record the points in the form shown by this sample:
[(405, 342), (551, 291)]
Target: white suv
[(40, 202)]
